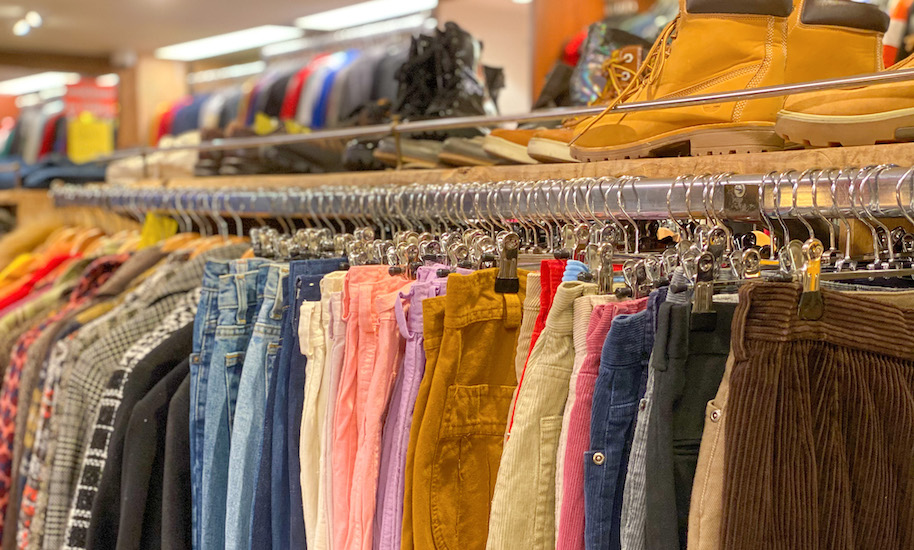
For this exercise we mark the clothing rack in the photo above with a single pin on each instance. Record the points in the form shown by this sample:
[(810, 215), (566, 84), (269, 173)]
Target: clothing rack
[(873, 192)]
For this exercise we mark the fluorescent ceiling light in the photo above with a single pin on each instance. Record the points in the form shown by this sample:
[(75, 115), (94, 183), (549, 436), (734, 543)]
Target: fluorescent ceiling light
[(37, 82), (34, 19), (222, 44), (365, 12), (409, 23), (21, 28), (225, 73)]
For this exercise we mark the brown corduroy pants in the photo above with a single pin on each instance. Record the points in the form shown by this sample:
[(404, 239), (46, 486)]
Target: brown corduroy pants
[(820, 424)]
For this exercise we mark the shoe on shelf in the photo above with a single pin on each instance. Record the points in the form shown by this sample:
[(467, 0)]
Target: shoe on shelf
[(457, 151), (510, 144), (553, 145), (711, 46), (415, 153), (716, 46), (865, 115), (529, 146)]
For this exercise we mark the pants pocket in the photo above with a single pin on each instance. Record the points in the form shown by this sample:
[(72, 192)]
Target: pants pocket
[(466, 463), (544, 526)]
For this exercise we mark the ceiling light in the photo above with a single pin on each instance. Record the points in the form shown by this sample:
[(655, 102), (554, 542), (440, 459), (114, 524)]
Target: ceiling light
[(522, 1), (365, 12), (21, 28), (36, 82), (34, 19), (222, 44), (413, 22), (107, 80), (225, 73)]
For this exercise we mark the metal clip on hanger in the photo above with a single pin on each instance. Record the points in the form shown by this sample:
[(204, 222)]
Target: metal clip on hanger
[(812, 306), (703, 316), (507, 281)]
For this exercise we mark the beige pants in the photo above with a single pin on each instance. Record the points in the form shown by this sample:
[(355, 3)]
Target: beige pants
[(523, 506)]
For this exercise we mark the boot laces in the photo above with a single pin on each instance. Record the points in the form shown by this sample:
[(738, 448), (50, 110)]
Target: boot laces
[(619, 74), (646, 75)]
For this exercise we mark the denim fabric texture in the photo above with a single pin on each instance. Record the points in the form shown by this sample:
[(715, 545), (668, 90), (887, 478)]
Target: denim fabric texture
[(273, 504), (203, 341), (619, 388), (247, 428), (238, 306)]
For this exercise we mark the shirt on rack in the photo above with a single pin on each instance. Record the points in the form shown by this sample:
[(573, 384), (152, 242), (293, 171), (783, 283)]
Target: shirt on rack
[(295, 88)]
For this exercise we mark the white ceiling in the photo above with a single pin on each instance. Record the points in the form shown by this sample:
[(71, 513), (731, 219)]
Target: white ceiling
[(102, 27)]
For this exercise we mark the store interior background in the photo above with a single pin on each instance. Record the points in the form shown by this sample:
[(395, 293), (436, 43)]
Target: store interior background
[(117, 45)]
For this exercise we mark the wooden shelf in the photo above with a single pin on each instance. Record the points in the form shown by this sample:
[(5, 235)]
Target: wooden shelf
[(839, 157)]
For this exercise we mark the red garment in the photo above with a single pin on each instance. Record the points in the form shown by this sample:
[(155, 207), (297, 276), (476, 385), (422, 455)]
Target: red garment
[(36, 277), (93, 277), (168, 119), (893, 41), (571, 54), (295, 87), (551, 273), (49, 136)]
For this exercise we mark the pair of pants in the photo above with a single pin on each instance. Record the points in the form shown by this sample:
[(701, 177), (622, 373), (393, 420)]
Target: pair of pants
[(238, 306), (688, 366), (570, 535), (395, 438), (308, 284), (334, 329), (461, 431), (357, 403), (618, 390), (247, 430), (277, 511), (819, 442), (203, 341), (523, 506), (583, 310)]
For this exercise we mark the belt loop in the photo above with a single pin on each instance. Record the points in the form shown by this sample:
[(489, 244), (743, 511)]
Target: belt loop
[(241, 290), (513, 312), (276, 313)]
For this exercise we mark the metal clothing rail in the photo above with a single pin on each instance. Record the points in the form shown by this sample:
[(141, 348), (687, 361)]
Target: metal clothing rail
[(394, 128), (863, 193)]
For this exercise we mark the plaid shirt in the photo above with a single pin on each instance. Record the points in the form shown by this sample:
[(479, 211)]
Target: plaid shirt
[(86, 375), (93, 463), (96, 274)]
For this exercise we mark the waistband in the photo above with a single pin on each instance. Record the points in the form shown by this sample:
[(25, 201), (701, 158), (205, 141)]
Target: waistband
[(626, 343), (561, 315), (602, 318), (676, 340), (355, 277), (768, 312), (472, 298), (212, 271), (238, 292)]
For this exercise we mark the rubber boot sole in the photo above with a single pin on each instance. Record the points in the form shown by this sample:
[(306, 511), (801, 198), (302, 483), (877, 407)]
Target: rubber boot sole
[(696, 142), (549, 150), (508, 150), (847, 131)]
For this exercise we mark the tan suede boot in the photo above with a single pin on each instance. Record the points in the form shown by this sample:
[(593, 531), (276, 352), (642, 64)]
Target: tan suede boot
[(862, 116), (713, 46)]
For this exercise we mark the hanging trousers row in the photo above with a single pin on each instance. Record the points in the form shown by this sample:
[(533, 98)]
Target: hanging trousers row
[(179, 396)]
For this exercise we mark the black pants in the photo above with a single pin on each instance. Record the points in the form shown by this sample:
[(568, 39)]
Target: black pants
[(688, 367)]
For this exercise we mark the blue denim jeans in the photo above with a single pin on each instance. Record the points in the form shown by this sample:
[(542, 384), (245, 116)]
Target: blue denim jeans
[(620, 385), (247, 429), (203, 341), (238, 306), (274, 502)]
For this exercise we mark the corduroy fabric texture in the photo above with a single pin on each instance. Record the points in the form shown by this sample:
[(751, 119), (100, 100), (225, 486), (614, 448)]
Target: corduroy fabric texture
[(820, 428)]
